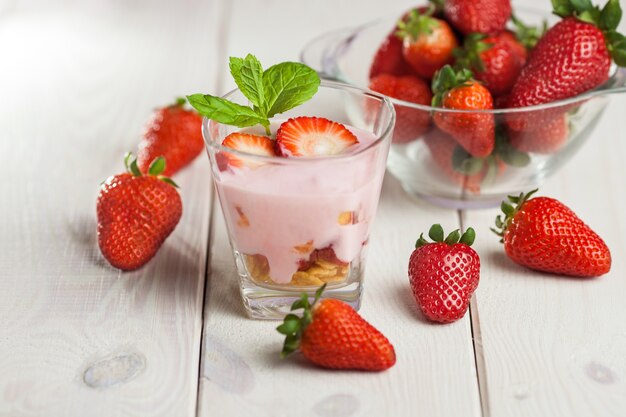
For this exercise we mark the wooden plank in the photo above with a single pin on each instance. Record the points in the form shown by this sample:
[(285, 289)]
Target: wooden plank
[(79, 337), (241, 373), (550, 345)]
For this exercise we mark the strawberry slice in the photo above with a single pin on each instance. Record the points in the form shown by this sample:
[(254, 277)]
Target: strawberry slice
[(244, 142), (313, 136)]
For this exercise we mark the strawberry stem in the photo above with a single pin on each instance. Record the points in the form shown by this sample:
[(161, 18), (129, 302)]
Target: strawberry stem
[(417, 24), (510, 211), (436, 234), (293, 326)]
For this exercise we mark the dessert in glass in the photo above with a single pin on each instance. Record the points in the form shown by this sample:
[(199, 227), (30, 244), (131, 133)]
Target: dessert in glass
[(299, 202)]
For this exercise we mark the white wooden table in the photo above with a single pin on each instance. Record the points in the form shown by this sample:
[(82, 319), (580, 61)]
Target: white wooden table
[(79, 338)]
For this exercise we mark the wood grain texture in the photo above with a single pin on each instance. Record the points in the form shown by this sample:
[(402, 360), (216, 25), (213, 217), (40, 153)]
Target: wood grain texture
[(78, 337), (242, 373), (556, 346), (551, 345)]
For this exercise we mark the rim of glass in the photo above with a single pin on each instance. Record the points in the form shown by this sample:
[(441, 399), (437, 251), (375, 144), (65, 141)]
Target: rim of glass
[(385, 134), (345, 36)]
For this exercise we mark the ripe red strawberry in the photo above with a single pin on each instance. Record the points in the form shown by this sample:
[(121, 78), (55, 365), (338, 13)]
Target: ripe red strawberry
[(244, 142), (442, 150), (410, 123), (136, 213), (482, 16), (389, 59), (313, 136), (543, 234), (574, 56), (173, 133), (428, 42), (545, 139), (475, 132), (332, 335), (495, 60), (444, 274)]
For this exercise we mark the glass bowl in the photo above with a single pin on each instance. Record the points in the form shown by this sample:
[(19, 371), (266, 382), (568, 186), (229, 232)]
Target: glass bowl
[(532, 143)]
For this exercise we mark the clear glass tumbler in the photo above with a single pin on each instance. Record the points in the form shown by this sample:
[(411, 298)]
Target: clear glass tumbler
[(295, 224)]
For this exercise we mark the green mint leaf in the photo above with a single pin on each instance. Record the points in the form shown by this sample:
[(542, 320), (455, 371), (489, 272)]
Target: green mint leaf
[(224, 111), (248, 74), (611, 15), (287, 85)]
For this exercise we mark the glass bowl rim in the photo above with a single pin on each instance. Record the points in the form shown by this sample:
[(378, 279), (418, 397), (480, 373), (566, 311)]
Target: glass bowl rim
[(348, 33)]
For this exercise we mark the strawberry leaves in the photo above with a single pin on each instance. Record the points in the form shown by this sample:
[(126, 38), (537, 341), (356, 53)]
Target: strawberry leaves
[(275, 90), (293, 326), (156, 168), (446, 79), (437, 235), (509, 211)]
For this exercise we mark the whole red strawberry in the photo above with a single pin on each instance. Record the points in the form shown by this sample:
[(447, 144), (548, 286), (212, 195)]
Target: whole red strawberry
[(388, 58), (444, 274), (454, 163), (542, 233), (574, 56), (332, 335), (474, 131), (410, 123), (174, 133), (428, 42), (136, 213), (482, 16), (545, 139), (495, 60)]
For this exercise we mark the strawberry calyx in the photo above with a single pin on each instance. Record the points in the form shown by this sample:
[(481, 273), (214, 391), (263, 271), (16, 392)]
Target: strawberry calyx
[(417, 24), (157, 166), (606, 19), (468, 56), (436, 234), (447, 79), (528, 35), (293, 326), (507, 152), (510, 211), (180, 102)]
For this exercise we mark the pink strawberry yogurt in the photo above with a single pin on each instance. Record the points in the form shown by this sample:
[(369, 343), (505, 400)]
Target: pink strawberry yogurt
[(279, 208)]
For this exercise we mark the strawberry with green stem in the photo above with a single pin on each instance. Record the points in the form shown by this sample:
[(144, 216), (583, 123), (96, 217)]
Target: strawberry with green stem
[(494, 60), (444, 273), (428, 42), (136, 213), (573, 56), (542, 233), (458, 90), (332, 335)]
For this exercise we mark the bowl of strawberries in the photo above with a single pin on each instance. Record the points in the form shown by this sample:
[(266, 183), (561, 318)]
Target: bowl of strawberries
[(489, 101)]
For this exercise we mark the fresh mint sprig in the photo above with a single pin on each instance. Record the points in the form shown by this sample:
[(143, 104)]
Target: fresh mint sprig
[(279, 88)]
